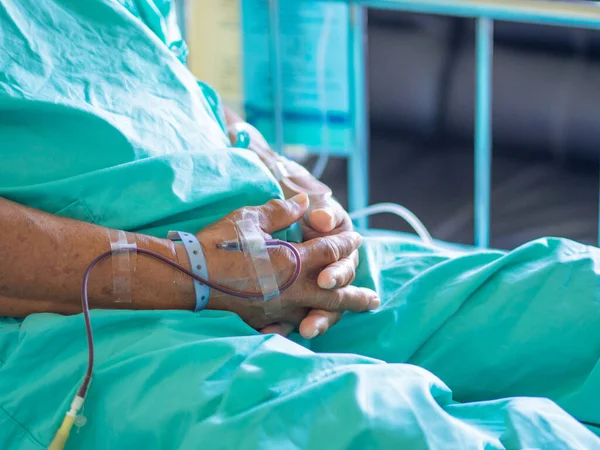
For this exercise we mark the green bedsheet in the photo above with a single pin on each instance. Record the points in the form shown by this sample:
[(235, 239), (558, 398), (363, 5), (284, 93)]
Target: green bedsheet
[(100, 121)]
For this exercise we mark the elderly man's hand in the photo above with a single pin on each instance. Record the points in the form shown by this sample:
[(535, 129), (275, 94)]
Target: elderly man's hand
[(297, 304), (325, 217)]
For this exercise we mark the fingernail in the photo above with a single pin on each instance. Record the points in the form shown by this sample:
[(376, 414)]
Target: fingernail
[(325, 216), (375, 303), (330, 284), (315, 334), (321, 324), (325, 210), (300, 199)]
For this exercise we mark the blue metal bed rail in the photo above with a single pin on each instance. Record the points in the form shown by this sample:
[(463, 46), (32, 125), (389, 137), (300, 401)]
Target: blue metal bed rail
[(550, 12)]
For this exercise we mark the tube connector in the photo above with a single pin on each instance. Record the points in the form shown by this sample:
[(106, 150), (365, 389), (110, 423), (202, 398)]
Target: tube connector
[(230, 246), (62, 435)]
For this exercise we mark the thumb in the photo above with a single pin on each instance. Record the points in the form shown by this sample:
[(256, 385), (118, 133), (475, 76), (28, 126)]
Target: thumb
[(321, 215), (280, 214)]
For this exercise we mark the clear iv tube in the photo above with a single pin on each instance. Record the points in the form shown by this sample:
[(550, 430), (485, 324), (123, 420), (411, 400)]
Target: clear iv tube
[(398, 210), (321, 69)]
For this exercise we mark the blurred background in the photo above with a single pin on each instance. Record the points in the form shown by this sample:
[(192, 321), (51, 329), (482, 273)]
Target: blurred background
[(546, 121)]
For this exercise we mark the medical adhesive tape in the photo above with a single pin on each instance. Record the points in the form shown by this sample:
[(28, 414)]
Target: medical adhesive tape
[(124, 259), (253, 245)]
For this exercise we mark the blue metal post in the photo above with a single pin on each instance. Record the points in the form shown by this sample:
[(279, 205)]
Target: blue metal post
[(599, 221), (276, 73), (358, 161), (483, 130), (584, 14)]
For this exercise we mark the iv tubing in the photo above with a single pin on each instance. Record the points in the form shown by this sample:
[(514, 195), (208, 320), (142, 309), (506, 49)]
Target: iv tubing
[(398, 210)]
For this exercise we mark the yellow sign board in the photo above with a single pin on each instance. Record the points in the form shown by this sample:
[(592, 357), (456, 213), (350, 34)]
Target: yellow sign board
[(215, 53)]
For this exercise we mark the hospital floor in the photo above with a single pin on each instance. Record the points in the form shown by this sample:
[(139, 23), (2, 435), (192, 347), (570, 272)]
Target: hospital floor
[(532, 196)]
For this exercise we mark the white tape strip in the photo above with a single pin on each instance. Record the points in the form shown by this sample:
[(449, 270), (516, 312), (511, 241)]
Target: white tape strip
[(123, 263), (253, 245)]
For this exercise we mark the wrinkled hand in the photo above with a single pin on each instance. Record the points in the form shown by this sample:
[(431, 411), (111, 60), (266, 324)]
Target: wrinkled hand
[(232, 269), (325, 217)]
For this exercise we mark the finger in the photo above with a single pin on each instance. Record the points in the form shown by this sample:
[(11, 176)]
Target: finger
[(318, 322), (350, 298), (324, 251), (231, 117), (339, 274), (283, 329), (324, 213), (280, 214)]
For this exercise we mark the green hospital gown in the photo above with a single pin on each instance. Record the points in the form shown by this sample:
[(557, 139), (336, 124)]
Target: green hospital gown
[(100, 121)]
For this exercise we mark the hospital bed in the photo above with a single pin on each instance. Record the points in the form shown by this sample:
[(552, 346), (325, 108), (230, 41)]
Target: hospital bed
[(485, 12)]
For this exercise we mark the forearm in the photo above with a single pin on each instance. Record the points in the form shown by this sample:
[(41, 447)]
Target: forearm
[(43, 259)]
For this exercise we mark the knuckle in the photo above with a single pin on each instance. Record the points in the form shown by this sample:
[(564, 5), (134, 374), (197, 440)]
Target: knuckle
[(334, 300), (330, 250), (345, 273), (348, 243), (365, 299), (349, 274), (283, 263), (304, 252), (284, 256), (352, 277), (354, 241), (277, 204), (343, 249)]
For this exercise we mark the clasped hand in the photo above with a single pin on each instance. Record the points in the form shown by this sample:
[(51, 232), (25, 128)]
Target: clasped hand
[(316, 300)]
